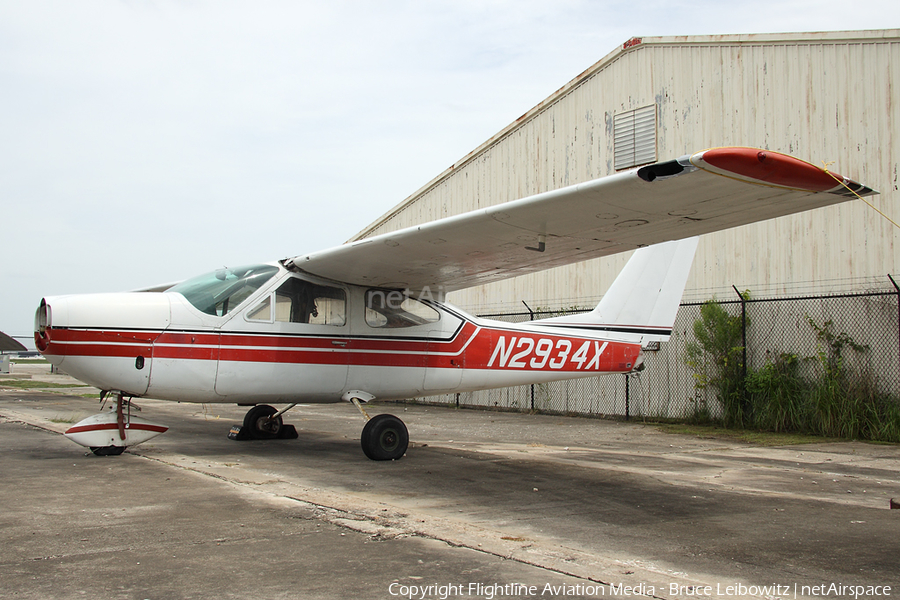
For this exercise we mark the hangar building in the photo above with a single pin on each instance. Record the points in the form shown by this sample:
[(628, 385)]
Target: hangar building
[(829, 97)]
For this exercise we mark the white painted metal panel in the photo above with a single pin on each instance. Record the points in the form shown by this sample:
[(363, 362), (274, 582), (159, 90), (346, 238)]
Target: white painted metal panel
[(819, 96), (592, 219)]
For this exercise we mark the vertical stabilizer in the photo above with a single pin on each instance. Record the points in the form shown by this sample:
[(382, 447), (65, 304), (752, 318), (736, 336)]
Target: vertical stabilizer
[(643, 300)]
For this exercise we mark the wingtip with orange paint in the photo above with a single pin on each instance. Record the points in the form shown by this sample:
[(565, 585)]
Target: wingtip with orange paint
[(780, 170)]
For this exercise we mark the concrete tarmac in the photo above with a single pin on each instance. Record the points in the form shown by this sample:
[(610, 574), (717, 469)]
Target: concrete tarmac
[(523, 506)]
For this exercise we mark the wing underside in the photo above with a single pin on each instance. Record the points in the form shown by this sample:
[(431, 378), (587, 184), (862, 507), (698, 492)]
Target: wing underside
[(705, 192)]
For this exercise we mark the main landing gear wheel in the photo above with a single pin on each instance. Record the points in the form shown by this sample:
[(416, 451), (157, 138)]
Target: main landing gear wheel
[(385, 437), (259, 425)]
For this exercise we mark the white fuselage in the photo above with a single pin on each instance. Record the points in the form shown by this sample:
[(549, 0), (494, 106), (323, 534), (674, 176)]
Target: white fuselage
[(299, 339)]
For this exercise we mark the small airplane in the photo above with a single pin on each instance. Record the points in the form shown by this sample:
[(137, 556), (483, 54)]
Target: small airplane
[(368, 319)]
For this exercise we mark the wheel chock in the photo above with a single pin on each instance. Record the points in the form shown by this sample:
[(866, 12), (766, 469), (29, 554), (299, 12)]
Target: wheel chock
[(288, 432)]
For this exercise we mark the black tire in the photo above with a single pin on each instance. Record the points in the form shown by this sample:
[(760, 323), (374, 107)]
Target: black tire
[(107, 450), (258, 425), (385, 437)]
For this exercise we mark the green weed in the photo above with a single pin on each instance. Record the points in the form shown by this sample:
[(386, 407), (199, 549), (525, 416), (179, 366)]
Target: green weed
[(835, 403)]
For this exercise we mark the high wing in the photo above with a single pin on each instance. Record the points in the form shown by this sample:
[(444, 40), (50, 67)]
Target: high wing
[(708, 191), (9, 344)]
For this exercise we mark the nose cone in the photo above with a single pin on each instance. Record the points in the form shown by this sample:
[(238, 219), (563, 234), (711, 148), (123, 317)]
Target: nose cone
[(105, 340), (41, 319)]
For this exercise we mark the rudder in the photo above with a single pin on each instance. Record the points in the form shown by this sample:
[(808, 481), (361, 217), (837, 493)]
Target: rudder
[(643, 300)]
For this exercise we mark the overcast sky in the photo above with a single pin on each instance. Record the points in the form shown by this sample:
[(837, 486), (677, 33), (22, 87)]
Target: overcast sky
[(146, 142)]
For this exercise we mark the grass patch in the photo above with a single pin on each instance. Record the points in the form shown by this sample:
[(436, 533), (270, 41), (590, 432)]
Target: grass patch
[(757, 438), (821, 395), (66, 420), (29, 384)]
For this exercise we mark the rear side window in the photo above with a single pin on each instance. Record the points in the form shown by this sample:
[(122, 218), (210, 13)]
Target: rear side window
[(392, 309)]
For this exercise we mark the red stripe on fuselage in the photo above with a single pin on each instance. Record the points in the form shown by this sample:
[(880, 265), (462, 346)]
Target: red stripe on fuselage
[(361, 351), (472, 347), (498, 349), (92, 342), (105, 426)]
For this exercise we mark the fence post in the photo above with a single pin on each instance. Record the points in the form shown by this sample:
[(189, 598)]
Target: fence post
[(530, 318), (744, 350), (896, 287), (627, 398)]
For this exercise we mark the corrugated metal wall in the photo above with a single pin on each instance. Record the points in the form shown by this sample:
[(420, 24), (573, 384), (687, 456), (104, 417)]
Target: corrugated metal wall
[(821, 97)]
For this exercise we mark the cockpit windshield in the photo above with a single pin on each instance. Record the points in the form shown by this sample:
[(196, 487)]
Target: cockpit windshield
[(221, 291)]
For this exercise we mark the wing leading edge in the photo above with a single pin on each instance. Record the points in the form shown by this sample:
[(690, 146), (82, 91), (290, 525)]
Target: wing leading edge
[(708, 191)]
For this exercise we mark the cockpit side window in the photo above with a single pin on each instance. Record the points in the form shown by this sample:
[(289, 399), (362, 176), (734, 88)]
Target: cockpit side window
[(392, 309), (262, 311), (220, 292), (299, 301)]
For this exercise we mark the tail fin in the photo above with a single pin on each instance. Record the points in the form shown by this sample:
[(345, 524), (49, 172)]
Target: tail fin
[(643, 300)]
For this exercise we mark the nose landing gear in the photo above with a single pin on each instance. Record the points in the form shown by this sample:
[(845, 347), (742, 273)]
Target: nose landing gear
[(109, 433)]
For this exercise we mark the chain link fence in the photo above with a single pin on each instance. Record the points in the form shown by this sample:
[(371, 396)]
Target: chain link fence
[(806, 328)]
